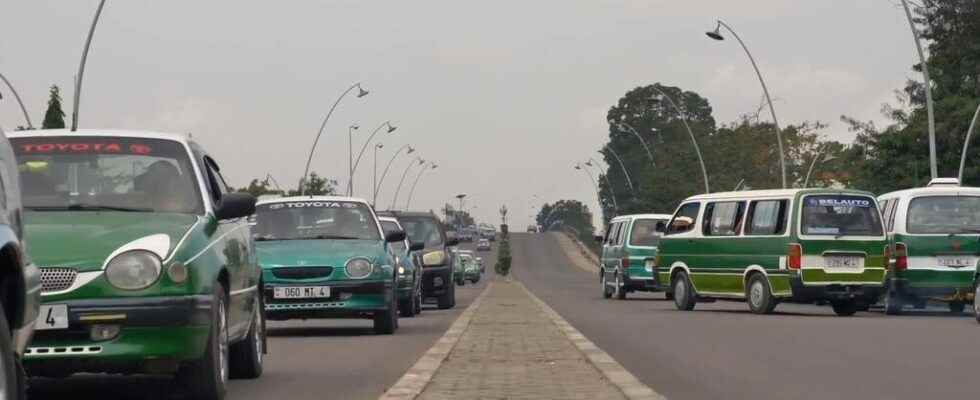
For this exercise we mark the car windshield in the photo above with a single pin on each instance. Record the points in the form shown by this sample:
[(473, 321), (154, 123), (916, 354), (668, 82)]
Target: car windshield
[(465, 260), (840, 215), (103, 173), (944, 214), (645, 233), (389, 227), (299, 220), (423, 230)]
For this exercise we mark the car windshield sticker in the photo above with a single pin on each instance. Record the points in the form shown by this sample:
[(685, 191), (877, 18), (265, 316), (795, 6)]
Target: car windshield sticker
[(313, 204), (838, 202), (85, 148)]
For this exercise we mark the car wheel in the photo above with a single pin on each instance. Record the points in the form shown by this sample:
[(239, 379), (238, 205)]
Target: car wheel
[(620, 289), (957, 307), (207, 378), (606, 292), (448, 299), (417, 302), (976, 303), (684, 298), (246, 356), (385, 322), (12, 386), (406, 308), (759, 295), (893, 303), (844, 308)]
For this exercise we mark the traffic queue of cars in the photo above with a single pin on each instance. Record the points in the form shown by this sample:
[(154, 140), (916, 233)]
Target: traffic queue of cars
[(844, 248), (142, 260)]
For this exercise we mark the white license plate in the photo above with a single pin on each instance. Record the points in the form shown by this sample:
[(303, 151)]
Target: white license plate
[(53, 316), (301, 292), (851, 262), (955, 261)]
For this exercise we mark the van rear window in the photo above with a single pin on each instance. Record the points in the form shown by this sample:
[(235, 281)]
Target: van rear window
[(944, 214), (841, 215), (645, 233)]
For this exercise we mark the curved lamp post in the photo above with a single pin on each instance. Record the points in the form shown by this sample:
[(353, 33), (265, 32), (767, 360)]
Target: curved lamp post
[(411, 193), (612, 192), (404, 174), (377, 186), (350, 182), (621, 166), (350, 153), (969, 133), (81, 67), (716, 35), (306, 170), (818, 158), (630, 128), (697, 149), (23, 109), (927, 83), (595, 185), (374, 183), (268, 178)]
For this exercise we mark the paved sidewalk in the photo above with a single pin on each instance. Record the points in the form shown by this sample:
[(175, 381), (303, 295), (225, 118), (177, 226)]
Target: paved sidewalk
[(513, 350)]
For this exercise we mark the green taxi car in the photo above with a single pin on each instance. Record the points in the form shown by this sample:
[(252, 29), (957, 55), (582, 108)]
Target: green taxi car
[(409, 274), (934, 237), (466, 267), (326, 257), (147, 265), (628, 252), (768, 246)]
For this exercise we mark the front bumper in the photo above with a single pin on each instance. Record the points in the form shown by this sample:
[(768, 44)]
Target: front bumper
[(348, 299), (436, 280), (155, 335)]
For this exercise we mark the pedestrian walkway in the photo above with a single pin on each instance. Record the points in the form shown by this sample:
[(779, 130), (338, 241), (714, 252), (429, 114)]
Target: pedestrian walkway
[(513, 350)]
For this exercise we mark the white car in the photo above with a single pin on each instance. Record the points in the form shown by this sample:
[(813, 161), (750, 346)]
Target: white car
[(483, 245)]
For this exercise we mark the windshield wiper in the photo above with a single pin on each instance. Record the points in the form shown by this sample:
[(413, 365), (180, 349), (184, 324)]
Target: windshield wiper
[(87, 207)]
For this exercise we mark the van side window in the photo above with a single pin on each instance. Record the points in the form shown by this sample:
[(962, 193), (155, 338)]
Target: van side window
[(609, 234), (621, 237), (889, 207), (613, 233), (684, 219), (723, 219), (767, 217)]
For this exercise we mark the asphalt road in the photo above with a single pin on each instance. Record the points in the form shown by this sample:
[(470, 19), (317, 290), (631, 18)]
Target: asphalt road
[(720, 350), (313, 359)]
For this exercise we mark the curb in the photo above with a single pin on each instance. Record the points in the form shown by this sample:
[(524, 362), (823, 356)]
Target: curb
[(411, 385), (626, 382), (582, 248)]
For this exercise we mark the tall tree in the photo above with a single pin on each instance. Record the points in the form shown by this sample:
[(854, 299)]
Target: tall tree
[(54, 117), (316, 185), (567, 214)]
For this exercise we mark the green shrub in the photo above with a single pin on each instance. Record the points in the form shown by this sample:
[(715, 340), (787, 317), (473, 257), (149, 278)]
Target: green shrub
[(503, 257)]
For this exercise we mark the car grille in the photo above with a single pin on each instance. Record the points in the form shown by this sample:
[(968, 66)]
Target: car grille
[(57, 279), (302, 272)]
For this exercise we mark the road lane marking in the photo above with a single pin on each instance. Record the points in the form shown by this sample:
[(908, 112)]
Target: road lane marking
[(411, 385), (625, 381)]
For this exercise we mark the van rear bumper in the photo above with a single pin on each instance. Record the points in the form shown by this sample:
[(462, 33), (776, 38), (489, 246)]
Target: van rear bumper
[(863, 293), (910, 292)]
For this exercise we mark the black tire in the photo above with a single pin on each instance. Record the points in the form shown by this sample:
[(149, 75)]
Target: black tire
[(976, 303), (669, 295), (386, 322), (620, 289), (246, 356), (207, 378), (406, 308), (844, 308), (12, 385), (418, 299), (448, 299), (957, 307), (893, 303), (606, 292), (684, 297), (758, 295)]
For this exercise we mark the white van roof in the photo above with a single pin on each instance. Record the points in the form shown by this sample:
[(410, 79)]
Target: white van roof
[(640, 216)]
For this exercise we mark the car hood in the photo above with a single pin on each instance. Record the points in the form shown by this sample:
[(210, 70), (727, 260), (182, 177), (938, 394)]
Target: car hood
[(85, 239), (316, 252)]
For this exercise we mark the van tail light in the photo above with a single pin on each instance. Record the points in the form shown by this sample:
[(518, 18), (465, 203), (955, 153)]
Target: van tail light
[(901, 257), (626, 262), (794, 256)]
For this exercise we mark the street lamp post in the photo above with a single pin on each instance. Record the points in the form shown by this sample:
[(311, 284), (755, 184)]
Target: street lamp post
[(966, 143), (716, 35), (377, 186), (350, 154), (404, 174), (817, 158), (350, 182), (927, 83), (612, 193), (269, 177), (23, 109), (593, 181), (697, 149), (81, 66), (622, 124), (411, 193), (306, 171), (374, 183), (621, 166)]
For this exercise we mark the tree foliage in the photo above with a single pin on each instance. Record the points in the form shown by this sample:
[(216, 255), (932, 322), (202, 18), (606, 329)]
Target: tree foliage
[(54, 117), (565, 214)]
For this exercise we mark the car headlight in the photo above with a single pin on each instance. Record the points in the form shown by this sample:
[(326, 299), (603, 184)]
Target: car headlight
[(358, 268), (133, 270), (434, 258), (650, 264), (401, 270)]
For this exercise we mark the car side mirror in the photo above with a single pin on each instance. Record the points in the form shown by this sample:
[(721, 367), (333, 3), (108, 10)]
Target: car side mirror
[(661, 227), (416, 246), (395, 236), (235, 205)]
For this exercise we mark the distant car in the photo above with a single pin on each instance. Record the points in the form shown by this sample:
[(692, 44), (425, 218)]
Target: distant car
[(483, 267), (466, 267), (22, 282), (532, 229), (483, 245), (436, 258), (409, 275)]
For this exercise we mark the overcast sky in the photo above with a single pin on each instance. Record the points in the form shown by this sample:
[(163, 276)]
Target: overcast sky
[(506, 96)]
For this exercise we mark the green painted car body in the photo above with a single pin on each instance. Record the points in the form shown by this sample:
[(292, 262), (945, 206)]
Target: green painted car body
[(801, 245), (628, 251), (104, 230), (408, 268)]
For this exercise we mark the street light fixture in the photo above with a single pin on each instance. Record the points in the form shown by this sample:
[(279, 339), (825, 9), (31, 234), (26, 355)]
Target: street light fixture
[(966, 143), (350, 181), (411, 193), (928, 88), (697, 149), (377, 186), (306, 170), (817, 158), (81, 67), (612, 193), (350, 152), (621, 166), (594, 183), (23, 109), (716, 35), (621, 124), (401, 181)]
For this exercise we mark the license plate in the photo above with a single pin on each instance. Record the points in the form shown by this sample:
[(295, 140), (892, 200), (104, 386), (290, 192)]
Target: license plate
[(852, 262), (53, 316), (301, 292), (954, 261)]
